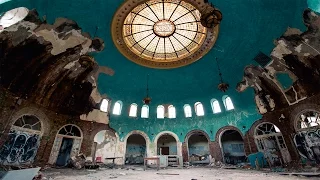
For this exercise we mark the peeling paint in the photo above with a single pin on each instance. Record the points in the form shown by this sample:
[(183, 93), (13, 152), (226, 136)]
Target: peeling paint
[(296, 54)]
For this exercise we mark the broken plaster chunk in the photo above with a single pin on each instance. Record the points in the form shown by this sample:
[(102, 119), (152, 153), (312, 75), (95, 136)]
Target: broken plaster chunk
[(96, 116), (96, 96), (281, 50), (298, 48), (62, 44), (70, 65), (292, 31)]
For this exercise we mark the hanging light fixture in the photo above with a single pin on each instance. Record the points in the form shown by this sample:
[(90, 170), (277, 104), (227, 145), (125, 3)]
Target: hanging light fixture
[(222, 86), (147, 99)]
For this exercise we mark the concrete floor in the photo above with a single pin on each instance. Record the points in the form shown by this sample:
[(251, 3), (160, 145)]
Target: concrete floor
[(177, 174)]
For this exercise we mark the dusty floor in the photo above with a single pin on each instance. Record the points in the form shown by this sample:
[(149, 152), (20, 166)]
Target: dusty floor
[(176, 174)]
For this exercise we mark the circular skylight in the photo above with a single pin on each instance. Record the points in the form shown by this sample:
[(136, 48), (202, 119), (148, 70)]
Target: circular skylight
[(160, 30), (162, 33)]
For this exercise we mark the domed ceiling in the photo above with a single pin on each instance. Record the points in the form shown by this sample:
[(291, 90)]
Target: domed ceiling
[(247, 27)]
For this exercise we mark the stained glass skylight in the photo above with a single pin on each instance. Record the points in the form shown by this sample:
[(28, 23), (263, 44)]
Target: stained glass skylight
[(164, 30)]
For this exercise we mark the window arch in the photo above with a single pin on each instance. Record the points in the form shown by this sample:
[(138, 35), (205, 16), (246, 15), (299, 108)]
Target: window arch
[(266, 128), (171, 112), (199, 109), (187, 110), (104, 106), (215, 106), (160, 112), (70, 130), (117, 108), (145, 111), (133, 110), (228, 104), (28, 122)]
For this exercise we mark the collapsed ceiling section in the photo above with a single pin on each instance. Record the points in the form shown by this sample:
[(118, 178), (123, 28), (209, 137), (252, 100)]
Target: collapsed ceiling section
[(48, 64)]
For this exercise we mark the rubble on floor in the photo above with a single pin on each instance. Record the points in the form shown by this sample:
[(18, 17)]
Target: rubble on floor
[(78, 161), (196, 173)]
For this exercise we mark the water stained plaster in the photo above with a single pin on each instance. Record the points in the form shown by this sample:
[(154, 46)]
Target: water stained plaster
[(198, 145)]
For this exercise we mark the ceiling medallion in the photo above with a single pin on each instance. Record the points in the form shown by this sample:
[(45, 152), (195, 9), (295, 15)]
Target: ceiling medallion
[(164, 28), (162, 34)]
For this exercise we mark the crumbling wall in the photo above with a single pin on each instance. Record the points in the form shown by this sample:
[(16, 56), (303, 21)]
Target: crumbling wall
[(50, 65), (296, 54), (47, 70), (107, 145)]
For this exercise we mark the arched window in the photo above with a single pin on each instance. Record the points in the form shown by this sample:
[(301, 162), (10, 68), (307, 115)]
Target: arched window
[(172, 112), (70, 130), (145, 111), (23, 141), (133, 110), (199, 109), (160, 112), (228, 103), (117, 108), (308, 119), (187, 110), (28, 122), (104, 105), (215, 106), (266, 128)]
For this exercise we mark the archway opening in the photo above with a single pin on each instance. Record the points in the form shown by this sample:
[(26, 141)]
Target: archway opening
[(271, 143), (166, 145), (135, 150), (66, 145), (105, 142), (198, 149), (232, 147)]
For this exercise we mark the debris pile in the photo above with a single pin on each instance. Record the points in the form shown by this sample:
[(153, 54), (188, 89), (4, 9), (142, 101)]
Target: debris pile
[(79, 161)]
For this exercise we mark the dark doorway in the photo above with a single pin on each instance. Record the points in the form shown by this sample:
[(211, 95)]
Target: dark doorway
[(64, 153), (198, 149), (136, 149), (167, 145), (164, 150), (232, 147)]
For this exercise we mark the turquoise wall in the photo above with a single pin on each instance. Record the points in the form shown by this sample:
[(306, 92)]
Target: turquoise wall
[(233, 148), (135, 150), (241, 118)]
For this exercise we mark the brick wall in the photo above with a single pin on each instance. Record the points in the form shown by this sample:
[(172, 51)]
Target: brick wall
[(51, 122)]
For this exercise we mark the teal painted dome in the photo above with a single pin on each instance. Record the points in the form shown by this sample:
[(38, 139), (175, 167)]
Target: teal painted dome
[(247, 28)]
